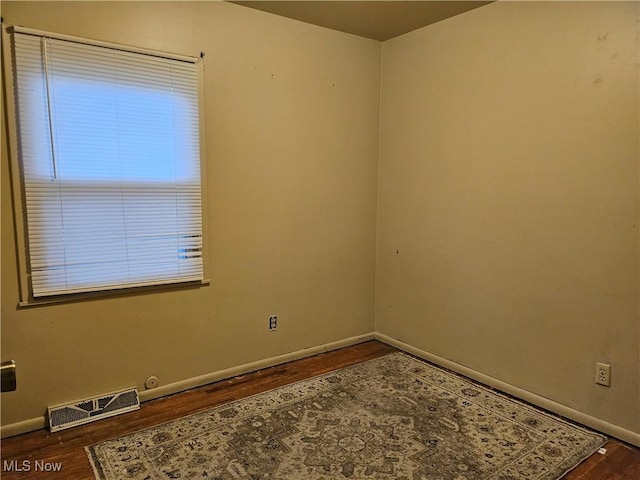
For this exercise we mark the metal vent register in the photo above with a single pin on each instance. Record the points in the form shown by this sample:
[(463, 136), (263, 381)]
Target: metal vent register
[(91, 409)]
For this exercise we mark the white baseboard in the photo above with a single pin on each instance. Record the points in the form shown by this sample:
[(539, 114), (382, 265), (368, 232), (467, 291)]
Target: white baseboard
[(542, 402), (249, 367), (18, 428), (537, 400), (39, 423)]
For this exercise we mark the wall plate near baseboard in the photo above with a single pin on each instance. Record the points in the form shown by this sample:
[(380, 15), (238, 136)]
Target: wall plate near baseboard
[(88, 410)]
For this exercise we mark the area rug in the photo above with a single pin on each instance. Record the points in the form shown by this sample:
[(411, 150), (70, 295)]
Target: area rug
[(394, 417)]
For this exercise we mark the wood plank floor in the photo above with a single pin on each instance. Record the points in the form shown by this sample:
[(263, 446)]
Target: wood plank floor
[(621, 462)]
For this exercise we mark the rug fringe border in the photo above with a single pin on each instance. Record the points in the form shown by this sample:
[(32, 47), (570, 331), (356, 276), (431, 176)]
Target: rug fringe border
[(95, 466)]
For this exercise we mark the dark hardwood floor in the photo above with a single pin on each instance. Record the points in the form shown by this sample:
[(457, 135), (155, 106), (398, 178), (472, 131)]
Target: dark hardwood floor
[(621, 461)]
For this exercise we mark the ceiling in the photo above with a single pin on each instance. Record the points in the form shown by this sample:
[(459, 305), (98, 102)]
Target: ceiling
[(378, 19)]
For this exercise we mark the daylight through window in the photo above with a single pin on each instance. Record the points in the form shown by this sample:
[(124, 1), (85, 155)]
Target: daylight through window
[(110, 158)]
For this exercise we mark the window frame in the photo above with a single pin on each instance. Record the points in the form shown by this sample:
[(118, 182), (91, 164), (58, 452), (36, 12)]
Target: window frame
[(26, 297)]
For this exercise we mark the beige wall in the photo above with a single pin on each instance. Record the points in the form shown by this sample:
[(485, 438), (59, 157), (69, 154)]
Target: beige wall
[(292, 115), (508, 199)]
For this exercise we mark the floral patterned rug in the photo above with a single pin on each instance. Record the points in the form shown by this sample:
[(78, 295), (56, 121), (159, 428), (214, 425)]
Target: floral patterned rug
[(394, 417)]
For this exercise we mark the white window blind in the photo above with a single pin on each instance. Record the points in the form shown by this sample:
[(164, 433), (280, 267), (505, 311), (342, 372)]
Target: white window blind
[(110, 157)]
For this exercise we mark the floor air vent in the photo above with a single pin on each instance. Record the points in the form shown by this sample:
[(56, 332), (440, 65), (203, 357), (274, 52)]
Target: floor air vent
[(91, 409)]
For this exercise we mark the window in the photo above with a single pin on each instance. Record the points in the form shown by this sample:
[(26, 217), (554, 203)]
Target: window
[(108, 142)]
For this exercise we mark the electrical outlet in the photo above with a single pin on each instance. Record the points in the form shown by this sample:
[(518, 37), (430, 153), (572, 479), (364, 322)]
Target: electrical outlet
[(273, 322), (603, 374)]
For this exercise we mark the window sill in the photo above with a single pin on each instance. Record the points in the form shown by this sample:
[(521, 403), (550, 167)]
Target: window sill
[(120, 292)]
